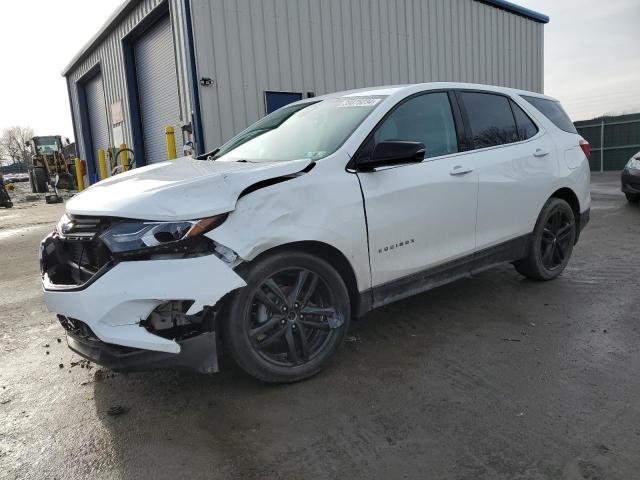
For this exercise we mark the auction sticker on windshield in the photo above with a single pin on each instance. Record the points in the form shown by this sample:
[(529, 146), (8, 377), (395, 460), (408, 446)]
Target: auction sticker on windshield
[(359, 102)]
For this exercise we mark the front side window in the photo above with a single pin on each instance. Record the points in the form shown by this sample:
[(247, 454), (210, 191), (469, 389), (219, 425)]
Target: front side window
[(490, 119), (311, 130), (426, 119)]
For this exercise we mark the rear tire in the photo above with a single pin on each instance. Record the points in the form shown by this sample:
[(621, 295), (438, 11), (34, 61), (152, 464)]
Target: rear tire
[(290, 318), (632, 197), (551, 243)]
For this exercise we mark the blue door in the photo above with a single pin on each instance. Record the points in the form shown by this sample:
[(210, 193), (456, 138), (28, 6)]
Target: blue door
[(275, 100)]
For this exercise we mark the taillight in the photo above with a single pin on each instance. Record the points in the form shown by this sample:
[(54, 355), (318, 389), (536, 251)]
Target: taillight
[(586, 148)]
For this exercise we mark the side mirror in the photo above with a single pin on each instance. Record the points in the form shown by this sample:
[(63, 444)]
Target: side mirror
[(393, 152)]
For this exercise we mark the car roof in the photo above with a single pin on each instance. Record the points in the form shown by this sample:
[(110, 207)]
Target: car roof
[(389, 90)]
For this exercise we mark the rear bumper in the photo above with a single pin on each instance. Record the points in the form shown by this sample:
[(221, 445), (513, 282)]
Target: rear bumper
[(197, 353), (630, 180)]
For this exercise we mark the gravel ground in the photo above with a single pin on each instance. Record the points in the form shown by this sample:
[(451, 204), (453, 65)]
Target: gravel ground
[(487, 378)]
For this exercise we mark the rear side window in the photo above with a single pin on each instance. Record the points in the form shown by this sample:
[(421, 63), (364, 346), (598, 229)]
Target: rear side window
[(490, 119), (426, 119), (526, 127), (553, 111)]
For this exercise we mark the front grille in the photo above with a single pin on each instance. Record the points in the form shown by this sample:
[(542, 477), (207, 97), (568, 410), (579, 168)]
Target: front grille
[(84, 258), (72, 257)]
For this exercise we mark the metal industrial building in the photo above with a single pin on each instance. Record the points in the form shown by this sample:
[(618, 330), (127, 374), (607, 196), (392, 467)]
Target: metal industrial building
[(209, 68)]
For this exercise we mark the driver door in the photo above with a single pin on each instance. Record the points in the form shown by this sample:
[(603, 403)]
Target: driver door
[(420, 216)]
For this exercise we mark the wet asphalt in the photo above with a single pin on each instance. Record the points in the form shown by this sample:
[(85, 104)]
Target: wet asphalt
[(492, 377)]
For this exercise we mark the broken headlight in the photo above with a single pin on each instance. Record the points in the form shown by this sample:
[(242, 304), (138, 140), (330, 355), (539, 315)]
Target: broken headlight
[(129, 236)]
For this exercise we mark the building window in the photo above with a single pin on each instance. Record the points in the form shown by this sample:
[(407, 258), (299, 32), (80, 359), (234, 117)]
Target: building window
[(274, 100)]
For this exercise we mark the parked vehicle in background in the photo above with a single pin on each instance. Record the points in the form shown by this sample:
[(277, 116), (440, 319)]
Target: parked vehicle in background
[(319, 212), (631, 179)]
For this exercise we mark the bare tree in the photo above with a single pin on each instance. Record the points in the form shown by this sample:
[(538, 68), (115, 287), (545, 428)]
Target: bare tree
[(13, 143)]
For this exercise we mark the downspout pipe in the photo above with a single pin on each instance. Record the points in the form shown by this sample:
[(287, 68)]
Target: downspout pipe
[(193, 81)]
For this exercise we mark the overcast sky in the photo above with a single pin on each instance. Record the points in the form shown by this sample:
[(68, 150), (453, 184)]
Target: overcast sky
[(592, 56)]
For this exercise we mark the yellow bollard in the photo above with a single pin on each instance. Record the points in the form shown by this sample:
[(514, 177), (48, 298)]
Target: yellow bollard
[(103, 164), (171, 143), (79, 178), (124, 157)]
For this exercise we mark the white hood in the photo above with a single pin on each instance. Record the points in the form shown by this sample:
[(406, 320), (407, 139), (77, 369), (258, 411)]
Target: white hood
[(181, 189)]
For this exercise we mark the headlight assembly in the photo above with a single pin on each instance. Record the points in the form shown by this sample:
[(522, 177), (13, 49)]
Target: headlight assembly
[(634, 163), (129, 236)]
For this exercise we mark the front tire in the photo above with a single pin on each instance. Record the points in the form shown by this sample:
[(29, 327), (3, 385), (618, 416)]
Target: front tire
[(632, 197), (290, 318), (551, 243)]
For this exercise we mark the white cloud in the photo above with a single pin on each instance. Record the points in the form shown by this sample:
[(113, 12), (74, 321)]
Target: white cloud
[(592, 55)]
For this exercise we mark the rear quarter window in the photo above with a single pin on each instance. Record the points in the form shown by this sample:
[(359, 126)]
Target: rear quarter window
[(553, 111), (526, 127)]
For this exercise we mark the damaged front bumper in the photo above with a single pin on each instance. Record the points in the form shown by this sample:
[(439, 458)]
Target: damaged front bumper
[(115, 306), (197, 353)]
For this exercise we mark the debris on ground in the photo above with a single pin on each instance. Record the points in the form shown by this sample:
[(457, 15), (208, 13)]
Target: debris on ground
[(83, 364), (59, 340), (4, 402), (100, 375), (116, 410), (507, 339), (352, 339), (61, 365)]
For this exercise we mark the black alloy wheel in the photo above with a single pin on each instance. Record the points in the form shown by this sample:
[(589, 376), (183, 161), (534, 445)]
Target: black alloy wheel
[(292, 317), (289, 319), (552, 242), (557, 238)]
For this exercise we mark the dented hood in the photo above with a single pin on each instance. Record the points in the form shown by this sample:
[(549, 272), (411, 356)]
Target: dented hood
[(181, 189)]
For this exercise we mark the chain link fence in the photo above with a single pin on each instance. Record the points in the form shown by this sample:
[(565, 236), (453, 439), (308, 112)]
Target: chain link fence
[(613, 140)]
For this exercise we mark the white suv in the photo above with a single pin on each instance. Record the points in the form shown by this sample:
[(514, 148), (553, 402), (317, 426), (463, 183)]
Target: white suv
[(318, 213)]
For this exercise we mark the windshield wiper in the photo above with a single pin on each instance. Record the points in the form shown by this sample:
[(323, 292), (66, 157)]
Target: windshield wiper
[(208, 155)]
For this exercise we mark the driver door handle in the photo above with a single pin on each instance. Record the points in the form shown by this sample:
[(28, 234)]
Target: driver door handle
[(540, 152), (460, 170)]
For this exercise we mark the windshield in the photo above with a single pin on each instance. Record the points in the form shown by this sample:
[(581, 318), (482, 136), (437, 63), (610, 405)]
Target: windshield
[(310, 130), (47, 145)]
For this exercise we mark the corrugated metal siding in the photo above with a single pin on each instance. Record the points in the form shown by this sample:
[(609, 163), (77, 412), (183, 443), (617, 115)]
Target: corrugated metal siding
[(97, 115), (157, 89), (109, 54), (250, 46)]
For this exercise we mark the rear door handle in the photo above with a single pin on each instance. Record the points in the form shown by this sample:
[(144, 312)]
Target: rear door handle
[(460, 170), (540, 152)]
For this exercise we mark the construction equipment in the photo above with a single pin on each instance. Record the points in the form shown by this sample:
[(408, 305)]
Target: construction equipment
[(5, 200), (49, 164)]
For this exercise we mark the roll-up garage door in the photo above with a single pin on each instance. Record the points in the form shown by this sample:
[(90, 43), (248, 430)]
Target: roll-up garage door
[(157, 89), (97, 114)]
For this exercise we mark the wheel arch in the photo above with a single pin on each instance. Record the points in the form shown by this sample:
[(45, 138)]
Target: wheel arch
[(336, 259), (569, 196)]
